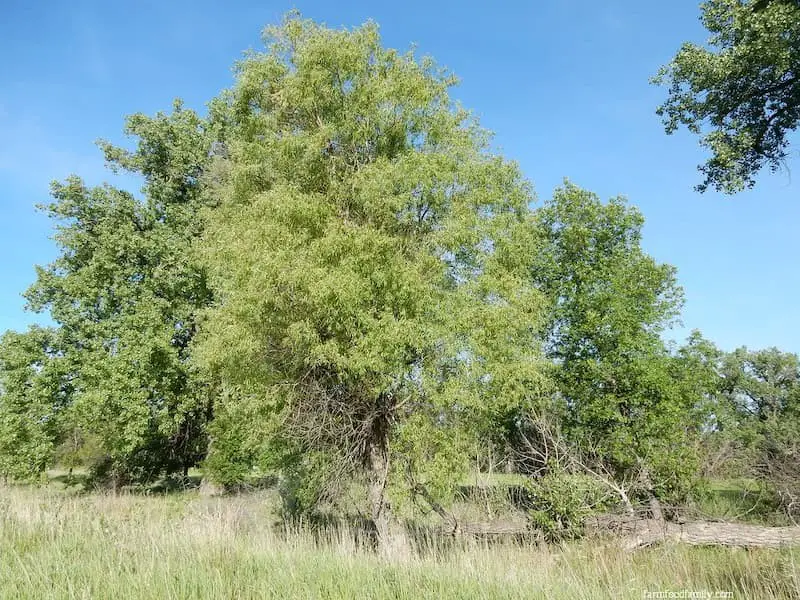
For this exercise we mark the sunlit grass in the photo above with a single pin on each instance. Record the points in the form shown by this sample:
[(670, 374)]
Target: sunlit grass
[(55, 545), (741, 500)]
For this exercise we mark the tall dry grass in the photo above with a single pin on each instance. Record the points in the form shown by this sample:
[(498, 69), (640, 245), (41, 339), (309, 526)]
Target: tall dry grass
[(181, 546)]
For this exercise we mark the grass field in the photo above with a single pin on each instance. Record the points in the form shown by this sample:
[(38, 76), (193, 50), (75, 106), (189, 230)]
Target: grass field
[(56, 545)]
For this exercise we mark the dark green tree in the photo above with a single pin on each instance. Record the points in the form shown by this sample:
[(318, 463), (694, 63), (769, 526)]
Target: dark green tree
[(125, 293), (741, 93), (629, 402), (35, 390)]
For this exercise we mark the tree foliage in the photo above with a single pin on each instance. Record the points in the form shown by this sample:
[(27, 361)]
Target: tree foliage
[(629, 401), (368, 250), (762, 391), (742, 92), (125, 294), (35, 388), (335, 279)]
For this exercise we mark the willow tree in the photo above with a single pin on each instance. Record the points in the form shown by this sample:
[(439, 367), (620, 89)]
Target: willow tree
[(368, 252)]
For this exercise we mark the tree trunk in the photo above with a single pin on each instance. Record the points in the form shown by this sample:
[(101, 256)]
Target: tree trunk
[(655, 504), (207, 487), (655, 507), (210, 489), (626, 502), (378, 464), (633, 533), (638, 533), (448, 518)]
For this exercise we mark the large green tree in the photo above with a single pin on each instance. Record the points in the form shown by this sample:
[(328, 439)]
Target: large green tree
[(125, 293), (741, 92), (374, 312), (629, 402)]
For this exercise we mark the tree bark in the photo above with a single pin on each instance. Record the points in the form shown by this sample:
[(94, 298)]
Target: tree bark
[(378, 463), (655, 507), (638, 533), (655, 504), (634, 533), (208, 487), (448, 518)]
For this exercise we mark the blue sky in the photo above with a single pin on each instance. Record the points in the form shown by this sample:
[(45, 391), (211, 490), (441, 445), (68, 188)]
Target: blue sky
[(562, 83)]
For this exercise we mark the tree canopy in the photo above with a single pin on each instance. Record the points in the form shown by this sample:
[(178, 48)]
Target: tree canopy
[(125, 294), (335, 279), (628, 400), (741, 93), (369, 253)]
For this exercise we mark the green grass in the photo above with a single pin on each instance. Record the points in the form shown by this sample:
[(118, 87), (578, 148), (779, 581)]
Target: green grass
[(742, 500), (57, 545)]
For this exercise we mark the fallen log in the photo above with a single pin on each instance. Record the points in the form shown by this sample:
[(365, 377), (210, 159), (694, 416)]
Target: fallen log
[(638, 533), (492, 528)]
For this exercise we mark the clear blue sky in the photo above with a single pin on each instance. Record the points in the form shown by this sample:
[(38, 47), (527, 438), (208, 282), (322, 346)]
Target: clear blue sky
[(563, 83)]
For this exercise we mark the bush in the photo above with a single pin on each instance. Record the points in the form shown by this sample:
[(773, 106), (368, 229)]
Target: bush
[(561, 502)]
